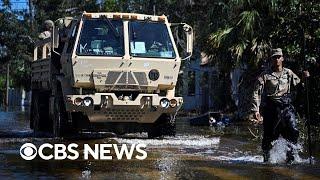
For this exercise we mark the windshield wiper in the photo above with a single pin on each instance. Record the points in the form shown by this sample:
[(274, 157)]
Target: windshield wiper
[(115, 32)]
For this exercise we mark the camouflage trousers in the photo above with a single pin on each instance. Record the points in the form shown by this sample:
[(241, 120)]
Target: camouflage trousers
[(279, 119)]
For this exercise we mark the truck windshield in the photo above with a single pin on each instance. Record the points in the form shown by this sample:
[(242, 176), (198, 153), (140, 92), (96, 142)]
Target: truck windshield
[(101, 37), (150, 39)]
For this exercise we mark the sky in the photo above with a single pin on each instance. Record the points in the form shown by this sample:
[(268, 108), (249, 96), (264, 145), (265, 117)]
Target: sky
[(17, 4)]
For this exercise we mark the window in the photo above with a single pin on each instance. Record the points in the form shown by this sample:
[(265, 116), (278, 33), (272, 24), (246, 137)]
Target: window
[(72, 39), (179, 86), (101, 37), (150, 39), (204, 79)]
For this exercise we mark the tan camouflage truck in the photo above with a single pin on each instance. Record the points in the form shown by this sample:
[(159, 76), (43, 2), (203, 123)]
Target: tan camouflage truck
[(107, 72)]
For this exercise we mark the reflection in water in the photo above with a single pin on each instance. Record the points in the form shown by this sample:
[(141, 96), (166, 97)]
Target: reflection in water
[(167, 165)]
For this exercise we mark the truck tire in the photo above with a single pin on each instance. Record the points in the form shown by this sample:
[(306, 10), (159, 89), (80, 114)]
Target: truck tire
[(169, 128), (60, 117), (34, 111), (57, 119), (162, 127), (154, 131), (39, 116)]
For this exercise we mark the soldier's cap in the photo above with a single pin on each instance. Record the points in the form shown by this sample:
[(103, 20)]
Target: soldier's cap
[(277, 52), (49, 23)]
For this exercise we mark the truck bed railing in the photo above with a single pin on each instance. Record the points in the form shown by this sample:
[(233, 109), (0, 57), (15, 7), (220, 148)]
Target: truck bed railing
[(40, 76), (45, 46)]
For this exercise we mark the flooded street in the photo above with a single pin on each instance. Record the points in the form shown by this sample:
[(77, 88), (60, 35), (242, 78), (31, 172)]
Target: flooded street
[(195, 153)]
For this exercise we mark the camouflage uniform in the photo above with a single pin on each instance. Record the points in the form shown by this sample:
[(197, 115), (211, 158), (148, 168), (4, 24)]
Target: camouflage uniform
[(271, 93), (273, 86)]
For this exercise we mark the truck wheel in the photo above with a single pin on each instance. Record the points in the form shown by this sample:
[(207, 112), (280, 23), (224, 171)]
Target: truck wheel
[(34, 115), (161, 127), (59, 118), (154, 131), (56, 120), (39, 116), (169, 128)]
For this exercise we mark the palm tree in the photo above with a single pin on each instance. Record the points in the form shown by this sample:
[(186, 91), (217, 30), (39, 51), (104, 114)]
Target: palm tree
[(253, 27)]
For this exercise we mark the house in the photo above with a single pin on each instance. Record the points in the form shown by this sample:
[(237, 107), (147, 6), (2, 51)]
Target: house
[(195, 84)]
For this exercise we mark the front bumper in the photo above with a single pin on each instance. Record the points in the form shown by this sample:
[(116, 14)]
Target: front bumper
[(107, 107)]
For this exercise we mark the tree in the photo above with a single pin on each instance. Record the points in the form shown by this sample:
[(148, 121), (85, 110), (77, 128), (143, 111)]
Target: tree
[(253, 27), (14, 32)]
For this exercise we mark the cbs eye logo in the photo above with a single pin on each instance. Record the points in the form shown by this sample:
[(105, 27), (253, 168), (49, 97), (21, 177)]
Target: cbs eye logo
[(28, 151)]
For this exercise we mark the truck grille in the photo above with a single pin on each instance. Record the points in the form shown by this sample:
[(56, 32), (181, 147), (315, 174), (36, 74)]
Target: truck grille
[(141, 77), (112, 77), (123, 79), (127, 78), (127, 114)]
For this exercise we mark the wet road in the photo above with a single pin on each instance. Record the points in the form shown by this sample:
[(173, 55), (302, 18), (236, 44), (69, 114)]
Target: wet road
[(195, 153)]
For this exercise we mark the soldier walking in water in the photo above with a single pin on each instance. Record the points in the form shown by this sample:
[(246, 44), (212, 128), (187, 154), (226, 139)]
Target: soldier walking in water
[(272, 93)]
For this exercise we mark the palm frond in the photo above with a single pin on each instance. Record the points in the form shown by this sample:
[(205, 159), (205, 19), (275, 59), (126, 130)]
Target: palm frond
[(274, 5), (239, 48), (260, 48), (249, 20), (217, 38), (240, 3)]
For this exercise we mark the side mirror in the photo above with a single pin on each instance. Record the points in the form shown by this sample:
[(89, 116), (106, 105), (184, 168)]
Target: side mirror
[(64, 22), (60, 23), (189, 34)]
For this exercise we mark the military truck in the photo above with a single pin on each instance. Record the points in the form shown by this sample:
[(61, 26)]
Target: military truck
[(108, 72)]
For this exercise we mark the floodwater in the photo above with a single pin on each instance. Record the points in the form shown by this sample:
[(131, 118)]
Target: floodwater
[(195, 153)]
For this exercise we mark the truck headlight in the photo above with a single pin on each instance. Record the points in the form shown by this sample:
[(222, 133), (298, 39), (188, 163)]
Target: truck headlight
[(78, 101), (164, 103), (88, 101), (173, 103)]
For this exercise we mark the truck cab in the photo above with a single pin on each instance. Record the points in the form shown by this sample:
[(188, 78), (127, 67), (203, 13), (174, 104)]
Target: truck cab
[(111, 72)]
